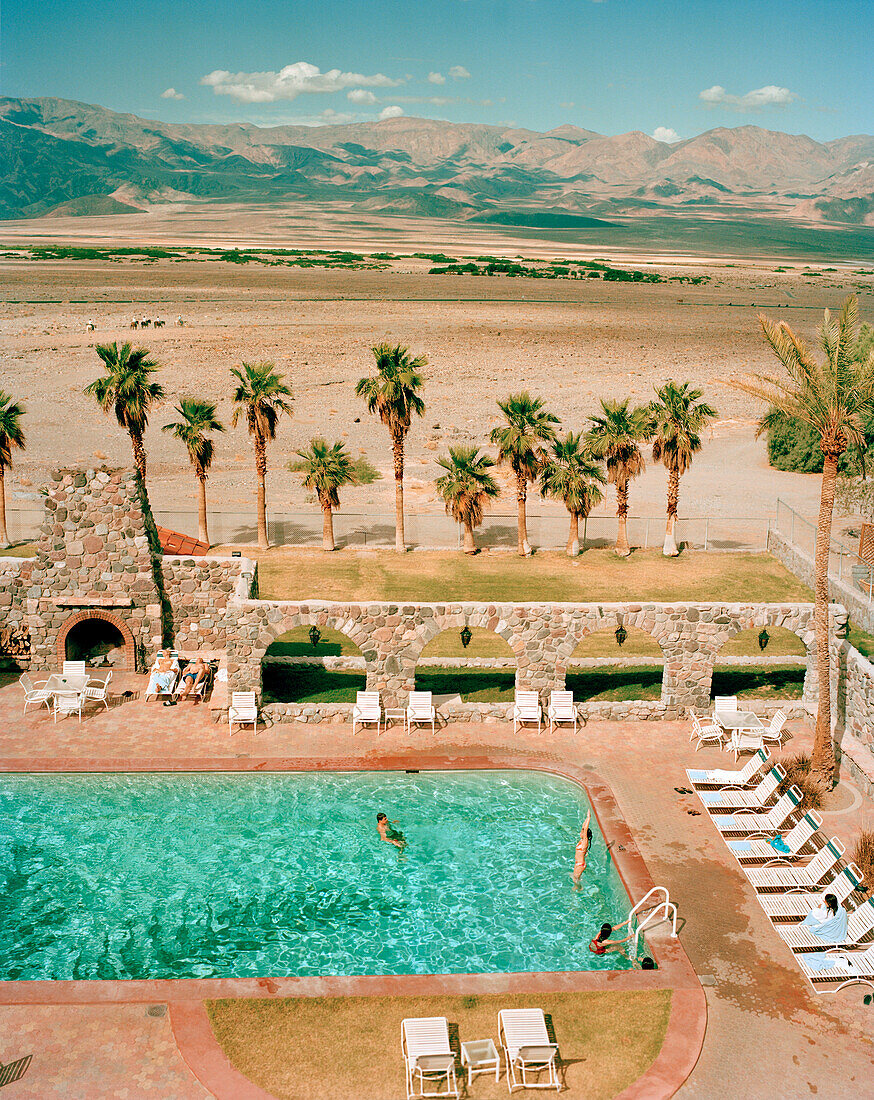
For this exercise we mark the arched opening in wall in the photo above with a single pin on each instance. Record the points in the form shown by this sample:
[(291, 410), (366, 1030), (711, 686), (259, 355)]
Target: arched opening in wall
[(761, 663), (312, 665), (601, 669), (99, 638), (483, 671)]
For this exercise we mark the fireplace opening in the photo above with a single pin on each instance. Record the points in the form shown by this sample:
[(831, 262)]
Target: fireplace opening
[(96, 642)]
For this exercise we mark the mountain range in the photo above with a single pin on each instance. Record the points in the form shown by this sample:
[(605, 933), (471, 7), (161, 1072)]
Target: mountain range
[(61, 157)]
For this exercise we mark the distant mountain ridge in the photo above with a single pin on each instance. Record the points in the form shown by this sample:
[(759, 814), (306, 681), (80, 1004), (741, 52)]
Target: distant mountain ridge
[(67, 157)]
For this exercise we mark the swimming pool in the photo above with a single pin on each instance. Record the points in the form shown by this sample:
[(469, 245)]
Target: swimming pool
[(232, 875)]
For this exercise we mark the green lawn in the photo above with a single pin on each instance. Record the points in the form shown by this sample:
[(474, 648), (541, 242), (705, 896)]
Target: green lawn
[(19, 550), (861, 640), (765, 682), (348, 1048), (290, 684), (598, 575)]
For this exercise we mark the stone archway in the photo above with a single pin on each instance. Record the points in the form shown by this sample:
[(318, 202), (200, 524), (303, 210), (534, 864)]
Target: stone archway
[(129, 645)]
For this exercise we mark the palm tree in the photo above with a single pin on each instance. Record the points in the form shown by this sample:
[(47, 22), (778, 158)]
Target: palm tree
[(831, 396), (127, 389), (197, 418), (572, 476), (261, 397), (466, 488), (678, 416), (11, 435), (520, 444), (393, 393), (326, 470), (616, 436)]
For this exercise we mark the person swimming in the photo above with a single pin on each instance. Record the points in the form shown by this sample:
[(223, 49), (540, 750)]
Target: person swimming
[(582, 850), (601, 941), (388, 834)]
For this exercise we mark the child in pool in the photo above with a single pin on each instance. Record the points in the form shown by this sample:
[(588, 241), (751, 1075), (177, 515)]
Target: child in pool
[(387, 833), (601, 943), (582, 850)]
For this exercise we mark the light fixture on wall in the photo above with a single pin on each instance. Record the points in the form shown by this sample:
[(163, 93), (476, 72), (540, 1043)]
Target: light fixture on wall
[(764, 638), (315, 636), (465, 636), (621, 634)]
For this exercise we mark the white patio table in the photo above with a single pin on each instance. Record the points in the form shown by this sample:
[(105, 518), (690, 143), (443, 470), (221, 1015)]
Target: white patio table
[(67, 693), (745, 729)]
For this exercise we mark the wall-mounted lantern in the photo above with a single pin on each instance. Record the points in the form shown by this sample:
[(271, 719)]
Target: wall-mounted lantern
[(315, 636), (764, 638), (621, 635), (465, 636)]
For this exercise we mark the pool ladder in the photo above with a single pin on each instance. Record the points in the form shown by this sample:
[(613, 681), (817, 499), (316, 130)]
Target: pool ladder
[(657, 911)]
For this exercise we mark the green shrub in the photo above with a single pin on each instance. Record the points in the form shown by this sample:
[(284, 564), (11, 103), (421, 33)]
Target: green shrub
[(794, 445)]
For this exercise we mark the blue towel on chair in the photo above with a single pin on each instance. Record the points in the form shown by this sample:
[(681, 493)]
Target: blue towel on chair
[(711, 796), (740, 845), (819, 960), (697, 777), (727, 822), (779, 845)]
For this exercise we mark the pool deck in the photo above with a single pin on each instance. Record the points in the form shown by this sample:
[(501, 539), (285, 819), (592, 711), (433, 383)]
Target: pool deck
[(767, 1034)]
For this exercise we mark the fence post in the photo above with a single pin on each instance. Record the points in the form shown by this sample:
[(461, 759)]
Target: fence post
[(706, 530), (585, 524), (646, 534), (792, 526)]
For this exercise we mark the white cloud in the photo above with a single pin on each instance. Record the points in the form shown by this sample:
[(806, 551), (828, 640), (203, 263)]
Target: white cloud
[(756, 100), (458, 72), (665, 133), (434, 100), (289, 82), (567, 104), (390, 112), (361, 95), (171, 93), (436, 78)]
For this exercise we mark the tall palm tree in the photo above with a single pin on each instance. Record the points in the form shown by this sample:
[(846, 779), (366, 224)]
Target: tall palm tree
[(11, 435), (466, 488), (127, 388), (615, 436), (197, 418), (261, 398), (678, 415), (831, 395), (326, 470), (520, 444), (393, 394), (572, 476)]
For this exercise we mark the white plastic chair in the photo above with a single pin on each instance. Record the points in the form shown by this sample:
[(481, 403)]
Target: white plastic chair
[(243, 710), (367, 710), (527, 1048), (68, 702), (705, 729), (96, 689), (723, 777), (774, 732), (526, 709), (796, 904), (34, 691), (847, 968), (777, 876), (756, 798), (759, 850), (743, 822), (73, 668), (859, 925), (724, 704), (421, 709), (561, 708), (428, 1057)]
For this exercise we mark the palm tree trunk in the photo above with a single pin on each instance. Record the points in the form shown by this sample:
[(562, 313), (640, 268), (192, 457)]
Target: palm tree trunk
[(397, 447), (524, 546), (202, 526), (261, 505), (670, 547), (139, 451), (4, 537), (469, 541), (822, 765), (622, 548), (573, 538), (328, 528)]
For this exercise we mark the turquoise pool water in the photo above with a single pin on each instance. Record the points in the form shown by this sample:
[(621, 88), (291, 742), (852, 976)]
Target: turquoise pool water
[(221, 875)]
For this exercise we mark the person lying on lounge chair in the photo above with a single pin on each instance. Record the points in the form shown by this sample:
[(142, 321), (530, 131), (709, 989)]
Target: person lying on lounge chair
[(828, 921), (163, 675), (193, 676)]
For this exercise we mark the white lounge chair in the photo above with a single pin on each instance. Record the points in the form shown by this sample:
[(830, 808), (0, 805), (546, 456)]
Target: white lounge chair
[(243, 710), (859, 925), (428, 1057), (774, 730), (199, 690), (527, 1048), (366, 710), (34, 692), (779, 876), (96, 689), (561, 709), (796, 904), (526, 709), (843, 968), (725, 777), (153, 687), (744, 822), (731, 798), (421, 709), (759, 850), (705, 729), (73, 668)]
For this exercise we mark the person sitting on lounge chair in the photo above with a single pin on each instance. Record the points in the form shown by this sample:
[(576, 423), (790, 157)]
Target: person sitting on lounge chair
[(163, 675), (828, 921), (193, 676)]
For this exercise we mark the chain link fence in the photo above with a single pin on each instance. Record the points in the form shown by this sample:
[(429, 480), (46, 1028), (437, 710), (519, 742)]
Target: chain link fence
[(844, 564)]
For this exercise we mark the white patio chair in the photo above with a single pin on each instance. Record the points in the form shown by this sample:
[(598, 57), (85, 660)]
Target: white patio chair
[(774, 731), (526, 709), (73, 668), (34, 692), (742, 821), (421, 709), (68, 702), (705, 729), (796, 904), (561, 709), (842, 968), (366, 710), (724, 704), (428, 1057), (527, 1048), (96, 689), (859, 925), (725, 777), (730, 798), (759, 850), (777, 876), (243, 710)]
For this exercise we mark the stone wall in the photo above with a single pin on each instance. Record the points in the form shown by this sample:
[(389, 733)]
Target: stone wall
[(861, 610), (200, 591)]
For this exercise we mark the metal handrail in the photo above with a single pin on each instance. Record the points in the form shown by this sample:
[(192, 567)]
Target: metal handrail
[(663, 906)]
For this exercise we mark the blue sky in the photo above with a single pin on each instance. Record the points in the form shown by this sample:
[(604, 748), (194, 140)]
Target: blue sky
[(669, 67)]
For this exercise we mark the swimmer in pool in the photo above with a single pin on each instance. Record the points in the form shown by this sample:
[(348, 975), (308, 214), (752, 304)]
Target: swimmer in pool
[(582, 850), (388, 834), (601, 942)]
